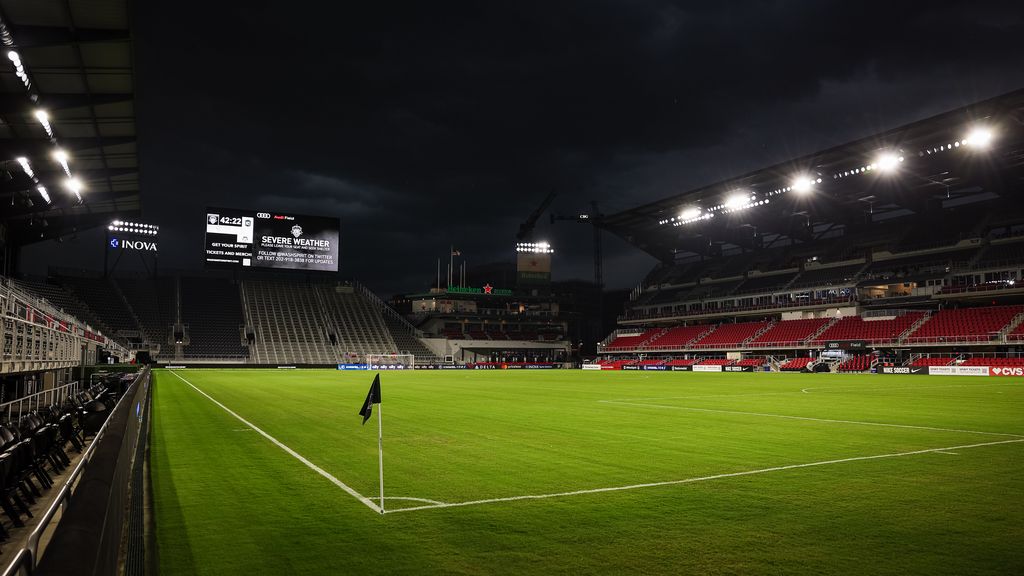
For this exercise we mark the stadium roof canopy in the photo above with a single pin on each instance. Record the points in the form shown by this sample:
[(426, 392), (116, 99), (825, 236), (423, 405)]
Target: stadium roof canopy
[(66, 88), (963, 157)]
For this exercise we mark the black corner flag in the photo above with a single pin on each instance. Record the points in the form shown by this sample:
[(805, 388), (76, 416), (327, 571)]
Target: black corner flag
[(372, 397)]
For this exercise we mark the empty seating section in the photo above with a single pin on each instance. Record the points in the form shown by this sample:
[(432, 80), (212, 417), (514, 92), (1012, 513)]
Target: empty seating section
[(870, 331), (358, 323), (153, 302), (921, 264), (932, 361), (64, 300), (407, 342), (1002, 254), (652, 362), (789, 332), (679, 337), (682, 362), (999, 362), (765, 283), (728, 335), (755, 362), (1017, 334), (965, 325), (212, 310), (289, 323), (629, 341), (835, 276), (103, 298), (795, 364), (715, 362), (855, 364)]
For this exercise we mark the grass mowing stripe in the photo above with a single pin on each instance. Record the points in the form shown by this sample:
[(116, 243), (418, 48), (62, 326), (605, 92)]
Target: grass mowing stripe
[(857, 422), (228, 503), (293, 453), (703, 478)]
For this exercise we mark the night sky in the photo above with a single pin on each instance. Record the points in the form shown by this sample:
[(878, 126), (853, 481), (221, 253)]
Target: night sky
[(430, 124)]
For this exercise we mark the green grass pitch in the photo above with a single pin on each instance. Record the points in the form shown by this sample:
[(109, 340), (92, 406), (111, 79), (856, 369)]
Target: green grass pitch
[(751, 473)]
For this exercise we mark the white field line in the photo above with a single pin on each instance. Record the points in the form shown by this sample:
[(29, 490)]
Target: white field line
[(819, 388), (410, 498), (808, 418), (295, 454), (858, 388), (700, 478)]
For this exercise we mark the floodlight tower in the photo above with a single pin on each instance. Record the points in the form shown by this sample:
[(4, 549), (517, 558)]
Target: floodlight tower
[(128, 236)]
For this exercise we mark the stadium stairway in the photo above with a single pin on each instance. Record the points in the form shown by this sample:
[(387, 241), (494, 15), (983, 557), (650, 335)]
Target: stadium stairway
[(358, 325), (211, 308), (288, 322)]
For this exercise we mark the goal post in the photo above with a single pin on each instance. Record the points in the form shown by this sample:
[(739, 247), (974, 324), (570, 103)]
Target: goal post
[(390, 361)]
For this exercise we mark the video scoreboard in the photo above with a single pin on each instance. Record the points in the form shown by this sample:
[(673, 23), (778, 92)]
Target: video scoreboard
[(244, 238)]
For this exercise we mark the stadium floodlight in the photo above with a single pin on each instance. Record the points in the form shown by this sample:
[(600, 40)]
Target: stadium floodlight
[(62, 158), (737, 200), (979, 138), (42, 192), (690, 213), (534, 248), (25, 166), (44, 118), (888, 161), (75, 186), (802, 184)]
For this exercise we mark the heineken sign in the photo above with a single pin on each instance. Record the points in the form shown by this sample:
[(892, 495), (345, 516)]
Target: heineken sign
[(487, 289)]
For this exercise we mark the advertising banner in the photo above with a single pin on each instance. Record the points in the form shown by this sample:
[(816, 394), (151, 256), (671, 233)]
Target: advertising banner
[(702, 368), (905, 369), (958, 370), (1006, 371)]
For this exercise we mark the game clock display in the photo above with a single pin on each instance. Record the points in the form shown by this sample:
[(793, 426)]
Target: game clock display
[(241, 238)]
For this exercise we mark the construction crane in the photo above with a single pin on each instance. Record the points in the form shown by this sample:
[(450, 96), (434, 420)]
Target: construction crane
[(526, 228), (593, 218)]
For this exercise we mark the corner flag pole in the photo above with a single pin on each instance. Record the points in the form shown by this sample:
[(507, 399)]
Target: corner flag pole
[(374, 397), (380, 454)]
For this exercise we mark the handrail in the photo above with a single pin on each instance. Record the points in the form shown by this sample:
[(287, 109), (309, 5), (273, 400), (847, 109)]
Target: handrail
[(30, 552), (52, 393)]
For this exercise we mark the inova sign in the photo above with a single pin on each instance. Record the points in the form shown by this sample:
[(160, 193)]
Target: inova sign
[(124, 244)]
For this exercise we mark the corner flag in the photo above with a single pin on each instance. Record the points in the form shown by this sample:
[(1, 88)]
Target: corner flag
[(372, 397)]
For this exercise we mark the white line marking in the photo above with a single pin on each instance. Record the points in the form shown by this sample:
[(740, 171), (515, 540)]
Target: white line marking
[(858, 388), (819, 388), (295, 454), (413, 499), (944, 452), (828, 420), (700, 478)]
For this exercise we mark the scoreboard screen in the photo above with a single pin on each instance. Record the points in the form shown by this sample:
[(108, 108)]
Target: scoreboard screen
[(243, 238)]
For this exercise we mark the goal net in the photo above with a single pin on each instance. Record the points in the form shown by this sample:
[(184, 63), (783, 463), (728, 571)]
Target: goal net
[(390, 361)]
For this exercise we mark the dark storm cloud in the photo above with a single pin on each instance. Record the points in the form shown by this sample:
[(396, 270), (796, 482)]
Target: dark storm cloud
[(427, 124)]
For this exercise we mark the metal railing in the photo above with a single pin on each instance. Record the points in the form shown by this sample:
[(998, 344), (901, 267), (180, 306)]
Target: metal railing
[(35, 401), (26, 560)]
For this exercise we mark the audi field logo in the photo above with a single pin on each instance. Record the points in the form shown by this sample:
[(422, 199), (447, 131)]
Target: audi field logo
[(263, 214), (1008, 371)]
